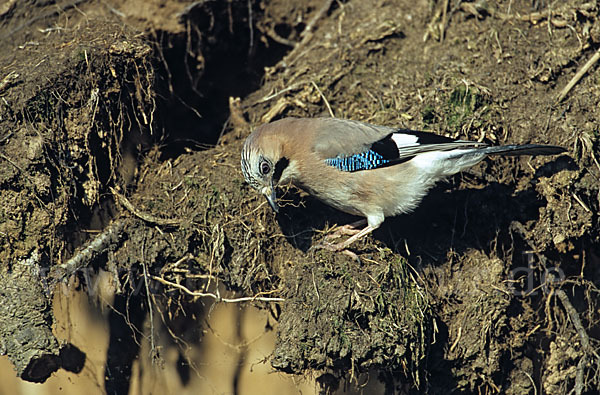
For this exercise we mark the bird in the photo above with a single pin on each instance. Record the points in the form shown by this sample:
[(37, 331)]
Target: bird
[(359, 168)]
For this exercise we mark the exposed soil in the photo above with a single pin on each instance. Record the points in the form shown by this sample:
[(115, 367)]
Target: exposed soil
[(120, 131)]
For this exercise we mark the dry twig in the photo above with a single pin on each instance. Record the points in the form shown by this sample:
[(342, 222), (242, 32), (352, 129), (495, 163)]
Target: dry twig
[(9, 80), (579, 377), (578, 76), (574, 316), (324, 99), (444, 23), (580, 385), (83, 258), (216, 296), (322, 11), (277, 38), (141, 215)]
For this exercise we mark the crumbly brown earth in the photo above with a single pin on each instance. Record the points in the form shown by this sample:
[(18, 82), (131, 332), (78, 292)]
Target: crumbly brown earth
[(120, 133)]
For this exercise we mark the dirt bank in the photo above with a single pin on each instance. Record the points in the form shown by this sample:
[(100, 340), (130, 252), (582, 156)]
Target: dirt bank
[(120, 131)]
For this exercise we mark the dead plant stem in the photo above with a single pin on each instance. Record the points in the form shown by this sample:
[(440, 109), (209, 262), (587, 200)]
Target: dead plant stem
[(141, 215), (96, 246), (215, 296), (578, 76)]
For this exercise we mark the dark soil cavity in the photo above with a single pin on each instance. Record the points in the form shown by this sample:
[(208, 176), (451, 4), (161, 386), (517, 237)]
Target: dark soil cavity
[(120, 132), (219, 55)]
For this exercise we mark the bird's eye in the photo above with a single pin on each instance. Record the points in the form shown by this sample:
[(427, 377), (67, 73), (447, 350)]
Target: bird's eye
[(265, 167)]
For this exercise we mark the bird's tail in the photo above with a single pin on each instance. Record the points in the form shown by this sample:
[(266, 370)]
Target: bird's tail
[(447, 163), (526, 149)]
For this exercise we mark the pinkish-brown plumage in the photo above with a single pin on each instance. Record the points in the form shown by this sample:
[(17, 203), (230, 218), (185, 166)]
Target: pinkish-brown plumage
[(311, 153)]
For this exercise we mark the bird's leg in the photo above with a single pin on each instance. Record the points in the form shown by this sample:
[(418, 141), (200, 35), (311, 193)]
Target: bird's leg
[(362, 233), (347, 230), (344, 244)]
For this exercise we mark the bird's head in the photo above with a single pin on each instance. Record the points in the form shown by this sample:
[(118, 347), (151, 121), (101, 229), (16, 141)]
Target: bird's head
[(262, 164)]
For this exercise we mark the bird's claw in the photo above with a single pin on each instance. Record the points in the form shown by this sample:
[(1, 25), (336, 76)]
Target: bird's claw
[(325, 245), (336, 247), (346, 230)]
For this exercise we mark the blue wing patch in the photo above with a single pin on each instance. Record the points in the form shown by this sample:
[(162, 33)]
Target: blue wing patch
[(364, 161)]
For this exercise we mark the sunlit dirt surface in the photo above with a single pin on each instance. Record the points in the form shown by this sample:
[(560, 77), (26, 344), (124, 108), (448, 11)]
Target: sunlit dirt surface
[(129, 117)]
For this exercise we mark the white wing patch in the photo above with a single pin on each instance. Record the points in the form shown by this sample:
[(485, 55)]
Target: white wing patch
[(403, 140)]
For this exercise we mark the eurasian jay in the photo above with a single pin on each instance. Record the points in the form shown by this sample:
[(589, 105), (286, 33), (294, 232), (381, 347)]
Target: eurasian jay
[(362, 169)]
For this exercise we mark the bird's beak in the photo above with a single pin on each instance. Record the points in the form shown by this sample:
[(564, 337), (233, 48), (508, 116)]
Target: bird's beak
[(271, 196)]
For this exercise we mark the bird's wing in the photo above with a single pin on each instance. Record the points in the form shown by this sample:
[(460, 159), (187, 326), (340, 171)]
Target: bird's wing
[(341, 137), (352, 146)]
